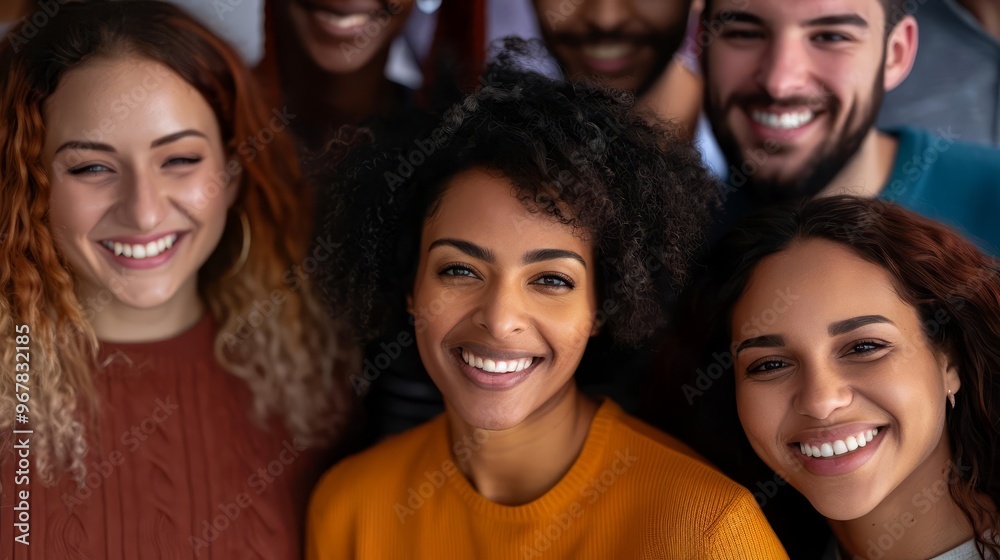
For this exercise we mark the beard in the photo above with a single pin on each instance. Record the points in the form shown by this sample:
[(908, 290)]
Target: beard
[(664, 43), (827, 159)]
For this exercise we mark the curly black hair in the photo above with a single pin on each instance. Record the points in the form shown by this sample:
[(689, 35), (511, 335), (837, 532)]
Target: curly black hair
[(577, 152)]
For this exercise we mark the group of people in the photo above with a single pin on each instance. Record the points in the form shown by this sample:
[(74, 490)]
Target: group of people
[(481, 301)]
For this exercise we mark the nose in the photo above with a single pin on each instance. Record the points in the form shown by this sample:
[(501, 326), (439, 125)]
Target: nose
[(503, 310), (144, 203), (784, 71), (607, 15), (821, 391)]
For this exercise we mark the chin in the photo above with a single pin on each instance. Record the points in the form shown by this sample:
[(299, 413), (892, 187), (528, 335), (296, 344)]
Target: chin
[(839, 505), (492, 417)]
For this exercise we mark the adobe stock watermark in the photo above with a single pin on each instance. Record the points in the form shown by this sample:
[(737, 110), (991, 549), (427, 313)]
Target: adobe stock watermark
[(47, 9), (293, 279), (462, 450), (923, 502), (754, 327), (229, 512), (378, 20), (132, 439), (589, 495)]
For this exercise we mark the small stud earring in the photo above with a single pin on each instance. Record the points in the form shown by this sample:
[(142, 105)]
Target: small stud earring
[(951, 399)]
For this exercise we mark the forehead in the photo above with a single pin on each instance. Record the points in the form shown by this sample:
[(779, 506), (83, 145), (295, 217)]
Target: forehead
[(124, 100), (814, 283), (774, 12), (486, 207)]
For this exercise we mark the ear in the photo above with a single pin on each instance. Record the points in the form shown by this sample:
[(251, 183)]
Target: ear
[(952, 381), (596, 330), (900, 52)]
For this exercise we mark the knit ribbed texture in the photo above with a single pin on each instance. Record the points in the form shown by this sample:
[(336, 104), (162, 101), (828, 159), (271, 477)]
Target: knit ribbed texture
[(633, 492), (173, 467)]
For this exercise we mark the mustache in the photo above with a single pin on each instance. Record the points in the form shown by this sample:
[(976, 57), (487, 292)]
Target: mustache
[(597, 37)]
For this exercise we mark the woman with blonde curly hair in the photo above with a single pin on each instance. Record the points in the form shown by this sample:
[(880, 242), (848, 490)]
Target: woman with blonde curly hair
[(165, 366)]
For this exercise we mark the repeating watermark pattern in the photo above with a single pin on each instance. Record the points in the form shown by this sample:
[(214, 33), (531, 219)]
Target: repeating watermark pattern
[(589, 495), (462, 450), (47, 9), (722, 362), (258, 482), (131, 439)]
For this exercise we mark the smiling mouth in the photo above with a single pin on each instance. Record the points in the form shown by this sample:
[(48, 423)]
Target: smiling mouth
[(493, 365), (839, 447), (783, 120), (140, 251)]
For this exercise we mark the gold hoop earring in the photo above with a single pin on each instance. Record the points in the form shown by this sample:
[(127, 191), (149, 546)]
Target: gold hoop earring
[(244, 250)]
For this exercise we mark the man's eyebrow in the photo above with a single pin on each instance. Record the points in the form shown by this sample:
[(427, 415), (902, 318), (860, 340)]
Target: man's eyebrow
[(737, 16), (839, 19), (766, 341)]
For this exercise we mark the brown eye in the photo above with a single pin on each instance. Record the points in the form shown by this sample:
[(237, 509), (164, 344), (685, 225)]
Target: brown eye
[(555, 281)]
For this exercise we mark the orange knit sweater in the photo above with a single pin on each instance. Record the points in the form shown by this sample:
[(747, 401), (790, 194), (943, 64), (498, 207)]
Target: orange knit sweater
[(632, 493)]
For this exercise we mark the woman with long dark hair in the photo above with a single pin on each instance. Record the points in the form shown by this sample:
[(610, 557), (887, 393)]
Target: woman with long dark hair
[(866, 342), (173, 365)]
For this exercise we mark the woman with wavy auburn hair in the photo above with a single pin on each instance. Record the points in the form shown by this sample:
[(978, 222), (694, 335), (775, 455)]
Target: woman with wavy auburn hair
[(869, 383), (172, 365)]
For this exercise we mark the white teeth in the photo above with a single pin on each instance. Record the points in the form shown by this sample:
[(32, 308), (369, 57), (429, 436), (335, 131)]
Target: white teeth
[(495, 366), (783, 121), (840, 446), (344, 22), (141, 251), (607, 51)]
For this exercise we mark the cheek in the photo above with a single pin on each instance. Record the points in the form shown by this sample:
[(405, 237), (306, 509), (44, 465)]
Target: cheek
[(72, 216), (758, 412)]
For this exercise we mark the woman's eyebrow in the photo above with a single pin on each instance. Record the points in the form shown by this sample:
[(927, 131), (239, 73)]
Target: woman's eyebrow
[(766, 341), (540, 255), (848, 325), (467, 247)]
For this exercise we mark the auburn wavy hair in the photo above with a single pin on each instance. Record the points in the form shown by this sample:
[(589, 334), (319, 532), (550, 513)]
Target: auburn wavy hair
[(295, 363), (934, 270)]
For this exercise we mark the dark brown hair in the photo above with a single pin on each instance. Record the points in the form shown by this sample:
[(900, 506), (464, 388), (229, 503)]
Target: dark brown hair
[(952, 285)]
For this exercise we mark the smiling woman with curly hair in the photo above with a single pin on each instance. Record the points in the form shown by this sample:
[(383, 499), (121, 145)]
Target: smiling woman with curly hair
[(170, 373), (527, 220)]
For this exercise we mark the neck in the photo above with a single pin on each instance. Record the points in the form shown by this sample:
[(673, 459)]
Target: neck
[(520, 464), (12, 11), (868, 172), (987, 12), (119, 322), (327, 100), (919, 519)]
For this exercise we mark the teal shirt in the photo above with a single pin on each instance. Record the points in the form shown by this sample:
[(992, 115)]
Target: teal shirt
[(952, 182)]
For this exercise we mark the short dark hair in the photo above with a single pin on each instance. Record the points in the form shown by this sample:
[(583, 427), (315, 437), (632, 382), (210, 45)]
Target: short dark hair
[(637, 187), (895, 11)]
